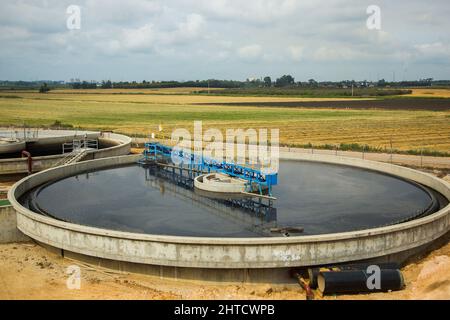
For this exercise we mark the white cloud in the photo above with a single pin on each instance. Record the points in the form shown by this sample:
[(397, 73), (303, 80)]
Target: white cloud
[(296, 52), (192, 26), (436, 49), (147, 38), (337, 53), (14, 33), (225, 44), (101, 12), (251, 11), (188, 30), (221, 37), (251, 51), (140, 38)]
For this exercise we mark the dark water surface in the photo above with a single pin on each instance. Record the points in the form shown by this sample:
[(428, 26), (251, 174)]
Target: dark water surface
[(320, 198)]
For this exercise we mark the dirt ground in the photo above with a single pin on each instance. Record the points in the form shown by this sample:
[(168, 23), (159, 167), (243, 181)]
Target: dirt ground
[(426, 278), (28, 271)]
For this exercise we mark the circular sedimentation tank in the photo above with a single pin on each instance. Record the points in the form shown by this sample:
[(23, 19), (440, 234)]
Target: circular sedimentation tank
[(335, 209), (41, 142), (320, 198), (45, 146)]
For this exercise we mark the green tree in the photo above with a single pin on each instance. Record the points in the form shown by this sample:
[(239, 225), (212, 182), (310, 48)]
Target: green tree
[(382, 83), (267, 81), (284, 81), (107, 84), (44, 88), (312, 82)]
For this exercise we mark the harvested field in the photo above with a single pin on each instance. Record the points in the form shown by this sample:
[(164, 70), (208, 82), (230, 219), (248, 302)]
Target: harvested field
[(139, 115)]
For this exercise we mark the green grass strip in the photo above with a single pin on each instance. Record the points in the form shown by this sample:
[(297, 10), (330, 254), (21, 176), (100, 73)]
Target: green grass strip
[(4, 203)]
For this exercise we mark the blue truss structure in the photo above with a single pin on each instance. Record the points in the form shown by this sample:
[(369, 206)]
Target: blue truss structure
[(154, 152)]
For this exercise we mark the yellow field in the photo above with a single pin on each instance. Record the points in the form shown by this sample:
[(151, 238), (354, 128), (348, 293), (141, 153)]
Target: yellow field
[(151, 96), (434, 93), (140, 114)]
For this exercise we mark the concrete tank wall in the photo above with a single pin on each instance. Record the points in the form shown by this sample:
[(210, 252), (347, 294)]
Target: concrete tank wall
[(65, 136), (121, 146), (12, 147), (235, 253), (8, 226)]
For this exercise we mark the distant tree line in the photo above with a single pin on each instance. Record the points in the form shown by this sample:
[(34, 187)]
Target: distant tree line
[(46, 85), (84, 85), (212, 83), (285, 81)]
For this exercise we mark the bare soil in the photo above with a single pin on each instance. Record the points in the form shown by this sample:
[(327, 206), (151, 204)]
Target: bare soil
[(28, 271), (430, 104)]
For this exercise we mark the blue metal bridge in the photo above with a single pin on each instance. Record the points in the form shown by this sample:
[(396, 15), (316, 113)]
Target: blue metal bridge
[(195, 163)]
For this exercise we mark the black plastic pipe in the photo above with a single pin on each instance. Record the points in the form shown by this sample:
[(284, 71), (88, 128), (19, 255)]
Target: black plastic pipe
[(356, 281), (313, 273)]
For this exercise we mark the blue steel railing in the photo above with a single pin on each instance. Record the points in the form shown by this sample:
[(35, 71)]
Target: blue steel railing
[(154, 151)]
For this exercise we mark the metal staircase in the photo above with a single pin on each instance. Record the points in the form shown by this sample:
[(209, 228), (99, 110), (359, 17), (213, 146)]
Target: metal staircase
[(72, 157), (75, 151)]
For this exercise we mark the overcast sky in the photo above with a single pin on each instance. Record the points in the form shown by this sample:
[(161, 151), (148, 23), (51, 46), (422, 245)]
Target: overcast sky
[(224, 39)]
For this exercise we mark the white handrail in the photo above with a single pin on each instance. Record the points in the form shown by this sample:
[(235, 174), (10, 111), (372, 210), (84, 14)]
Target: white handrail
[(78, 149)]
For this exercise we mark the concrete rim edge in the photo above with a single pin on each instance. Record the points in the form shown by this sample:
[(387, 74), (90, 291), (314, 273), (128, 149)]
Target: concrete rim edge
[(237, 241)]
